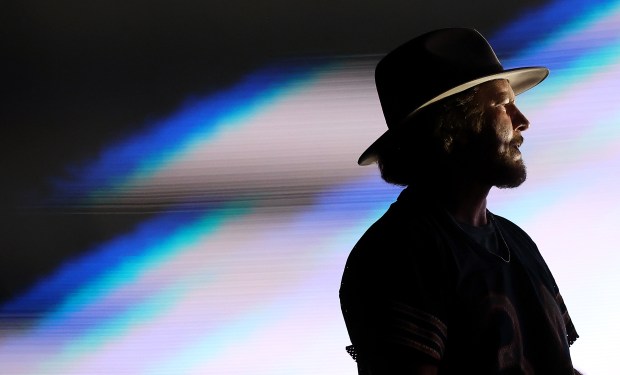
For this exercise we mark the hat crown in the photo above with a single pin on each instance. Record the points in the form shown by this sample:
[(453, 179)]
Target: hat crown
[(429, 65)]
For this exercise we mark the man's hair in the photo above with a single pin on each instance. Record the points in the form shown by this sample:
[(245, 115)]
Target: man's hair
[(418, 149)]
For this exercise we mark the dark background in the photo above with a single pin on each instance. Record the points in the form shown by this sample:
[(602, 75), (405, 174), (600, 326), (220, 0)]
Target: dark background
[(79, 74)]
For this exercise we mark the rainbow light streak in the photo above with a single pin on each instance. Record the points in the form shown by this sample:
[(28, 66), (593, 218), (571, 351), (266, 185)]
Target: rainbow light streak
[(115, 263), (575, 50), (558, 15), (196, 125), (118, 297), (196, 350)]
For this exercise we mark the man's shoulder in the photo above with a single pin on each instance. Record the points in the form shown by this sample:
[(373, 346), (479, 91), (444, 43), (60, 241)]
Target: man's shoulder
[(522, 245), (404, 231), (402, 219)]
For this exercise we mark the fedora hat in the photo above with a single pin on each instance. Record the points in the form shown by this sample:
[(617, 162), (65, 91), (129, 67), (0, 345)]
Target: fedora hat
[(434, 66)]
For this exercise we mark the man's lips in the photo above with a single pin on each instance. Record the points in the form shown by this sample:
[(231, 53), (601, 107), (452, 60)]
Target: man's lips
[(517, 142)]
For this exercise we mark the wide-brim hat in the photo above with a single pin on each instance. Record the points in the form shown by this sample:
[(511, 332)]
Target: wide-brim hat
[(434, 66)]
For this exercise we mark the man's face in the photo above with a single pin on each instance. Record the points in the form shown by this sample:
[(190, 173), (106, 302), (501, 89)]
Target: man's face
[(498, 136)]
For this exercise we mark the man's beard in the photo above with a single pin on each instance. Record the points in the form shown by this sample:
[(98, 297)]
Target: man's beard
[(506, 170), (505, 173), (492, 167)]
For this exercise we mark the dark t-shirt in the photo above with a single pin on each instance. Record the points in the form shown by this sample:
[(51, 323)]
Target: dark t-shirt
[(418, 289)]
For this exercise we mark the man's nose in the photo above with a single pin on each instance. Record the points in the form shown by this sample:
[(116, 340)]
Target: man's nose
[(519, 121)]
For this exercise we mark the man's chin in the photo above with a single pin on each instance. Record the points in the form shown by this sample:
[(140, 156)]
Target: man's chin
[(512, 180), (510, 184), (509, 176)]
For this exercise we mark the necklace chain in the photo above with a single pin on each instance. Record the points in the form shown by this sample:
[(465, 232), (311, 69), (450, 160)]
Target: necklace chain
[(498, 230)]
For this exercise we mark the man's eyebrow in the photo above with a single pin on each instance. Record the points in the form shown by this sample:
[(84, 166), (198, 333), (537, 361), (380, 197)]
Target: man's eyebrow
[(503, 95)]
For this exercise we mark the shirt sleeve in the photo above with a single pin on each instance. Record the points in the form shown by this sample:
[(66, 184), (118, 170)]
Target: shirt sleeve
[(571, 332), (395, 295)]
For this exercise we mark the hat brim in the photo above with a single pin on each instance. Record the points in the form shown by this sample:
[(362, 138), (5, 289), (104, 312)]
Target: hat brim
[(520, 79)]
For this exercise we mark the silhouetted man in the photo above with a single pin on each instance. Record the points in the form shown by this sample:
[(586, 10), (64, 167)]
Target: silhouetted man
[(439, 284)]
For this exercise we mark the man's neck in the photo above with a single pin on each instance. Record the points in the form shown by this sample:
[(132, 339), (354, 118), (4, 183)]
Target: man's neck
[(467, 203)]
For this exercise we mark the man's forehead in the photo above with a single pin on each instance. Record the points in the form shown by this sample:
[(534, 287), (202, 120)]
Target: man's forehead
[(496, 88)]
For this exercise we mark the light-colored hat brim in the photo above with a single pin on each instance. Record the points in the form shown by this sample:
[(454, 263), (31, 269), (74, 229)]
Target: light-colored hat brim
[(520, 79)]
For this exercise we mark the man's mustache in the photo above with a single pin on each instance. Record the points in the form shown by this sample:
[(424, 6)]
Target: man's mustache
[(517, 141)]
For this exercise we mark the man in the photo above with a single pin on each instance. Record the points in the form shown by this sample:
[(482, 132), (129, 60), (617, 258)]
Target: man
[(440, 285)]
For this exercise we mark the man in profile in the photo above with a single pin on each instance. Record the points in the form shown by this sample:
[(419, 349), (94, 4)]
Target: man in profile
[(439, 284)]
